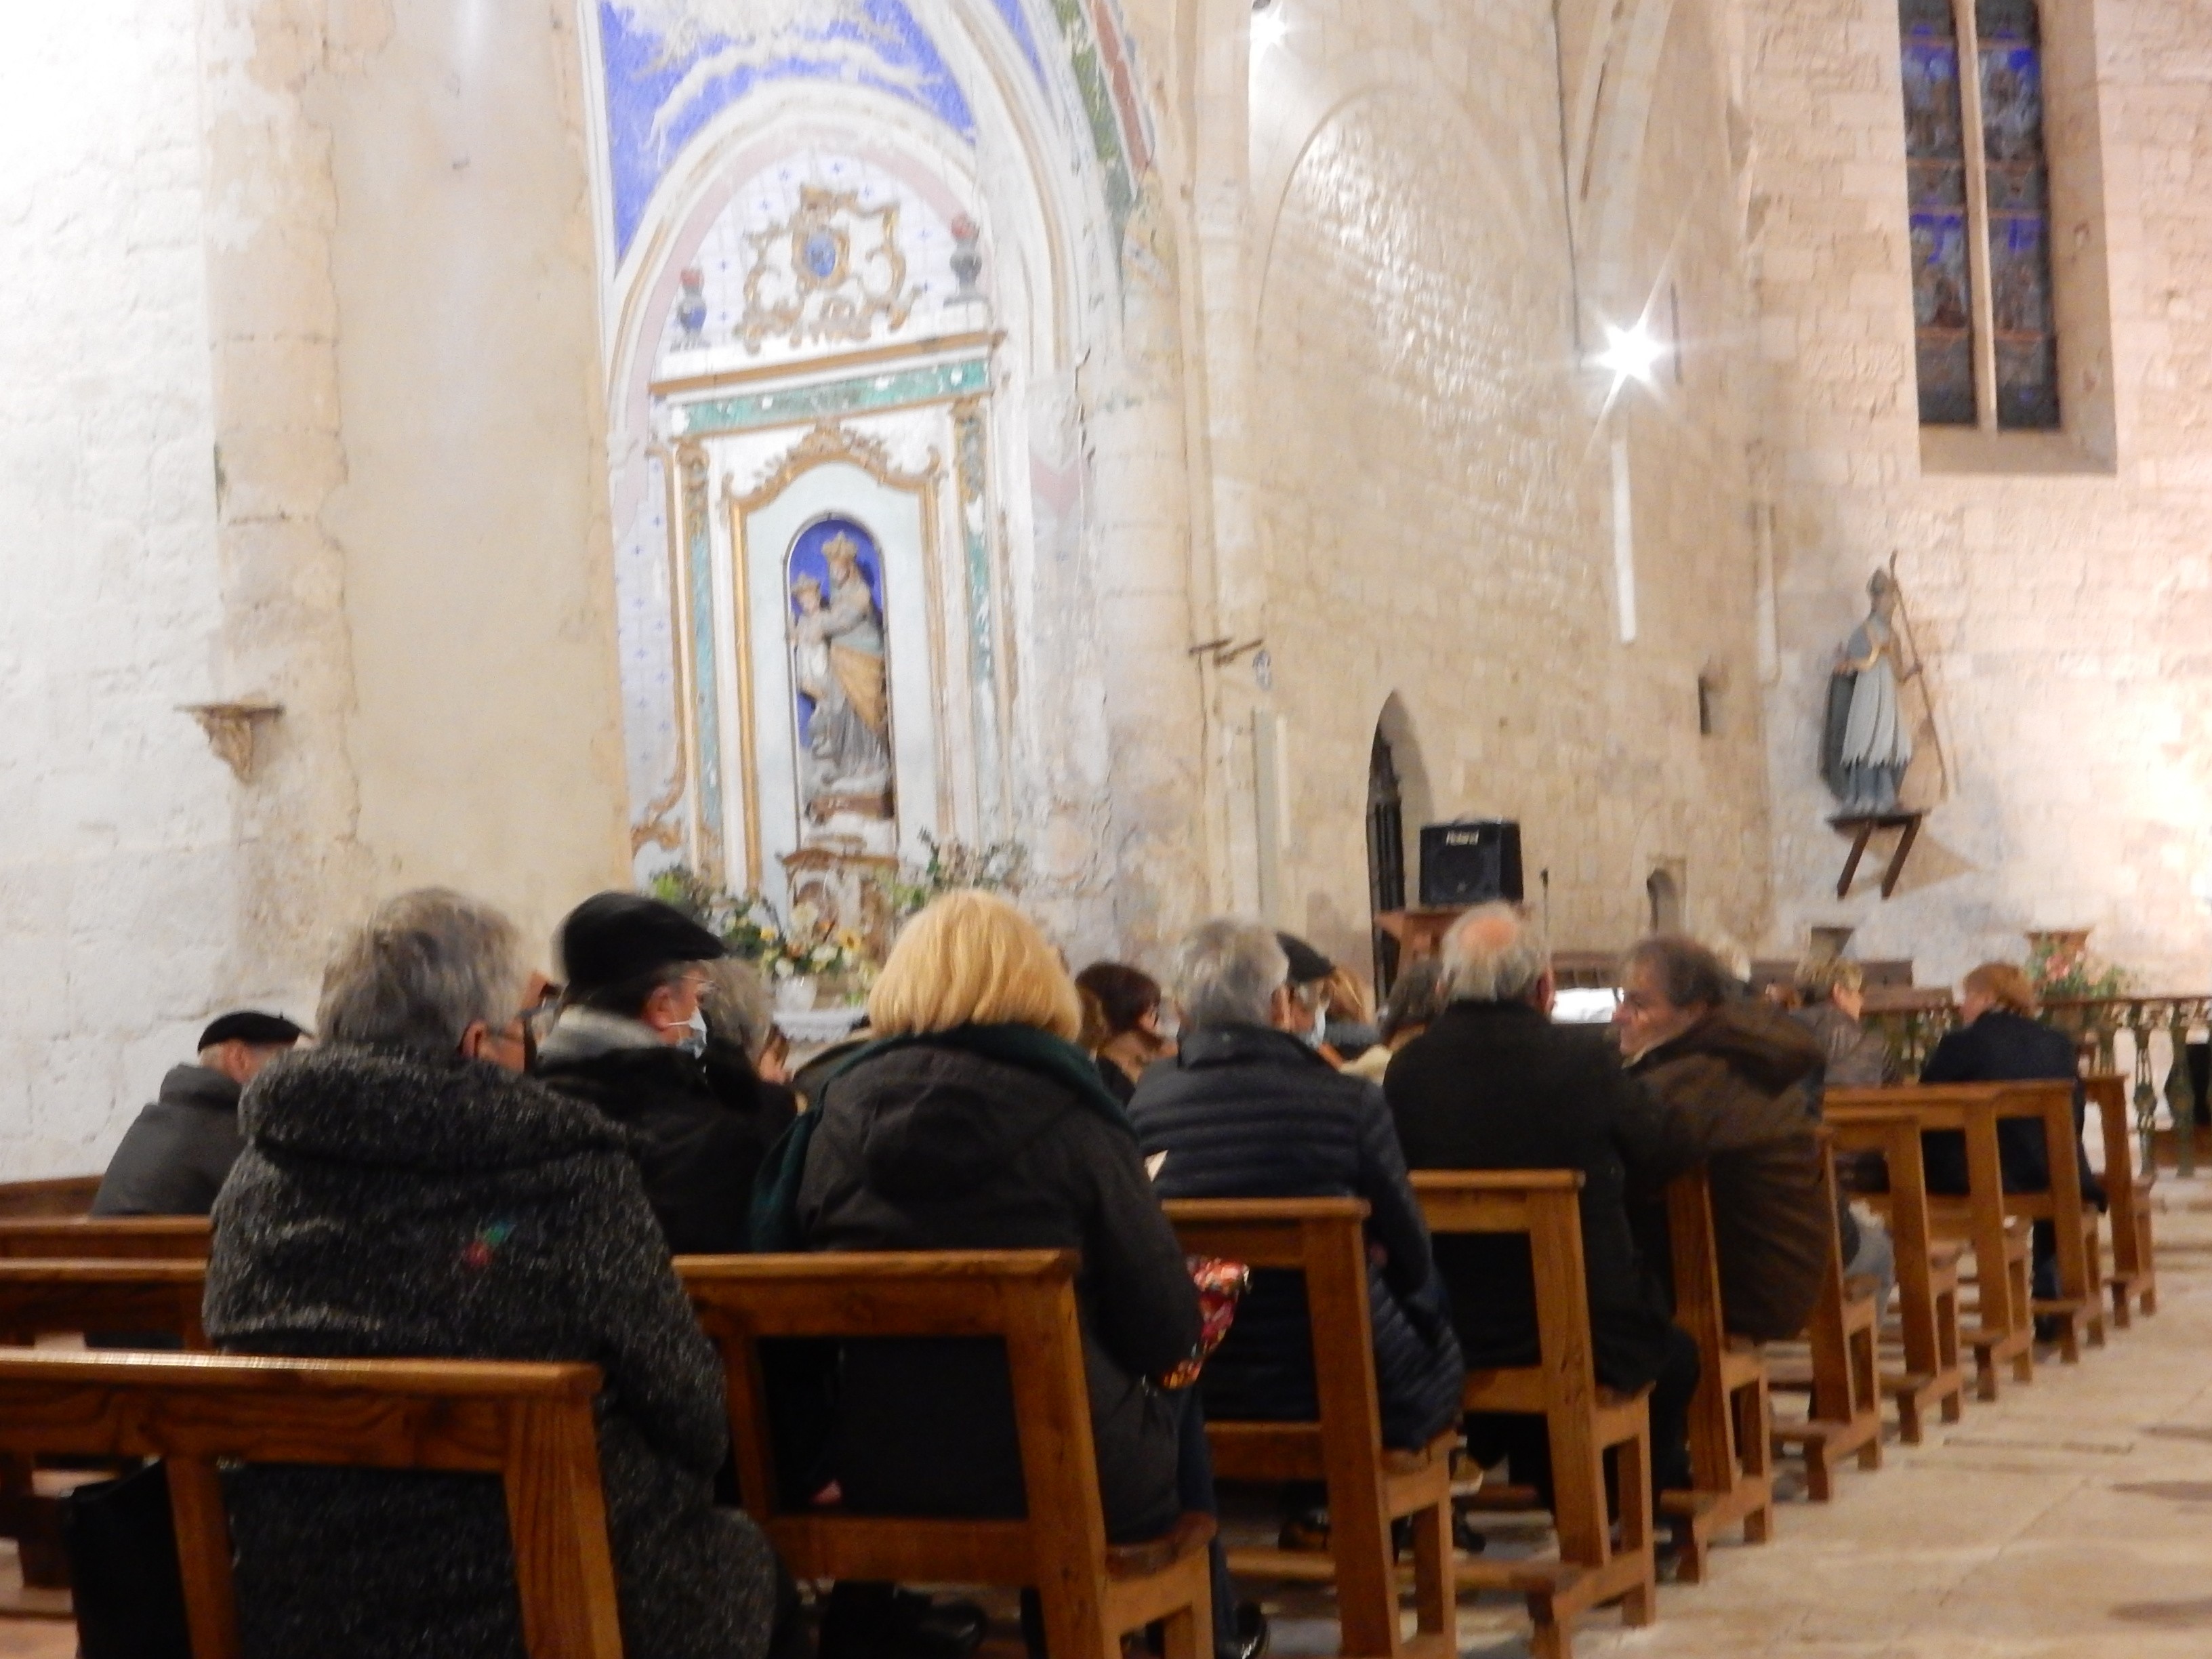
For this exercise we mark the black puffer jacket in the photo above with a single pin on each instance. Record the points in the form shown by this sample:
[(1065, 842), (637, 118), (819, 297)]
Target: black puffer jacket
[(1245, 1112), (173, 1159), (933, 1148), (390, 1205), (699, 1134)]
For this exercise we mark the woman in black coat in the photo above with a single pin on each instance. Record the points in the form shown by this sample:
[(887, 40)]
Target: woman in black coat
[(974, 1122), (1999, 1039), (404, 1192)]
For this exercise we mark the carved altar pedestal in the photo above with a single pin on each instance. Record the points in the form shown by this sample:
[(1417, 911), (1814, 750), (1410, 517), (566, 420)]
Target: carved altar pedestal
[(844, 890)]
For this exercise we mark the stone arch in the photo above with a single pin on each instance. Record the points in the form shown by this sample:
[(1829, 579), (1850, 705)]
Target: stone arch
[(1302, 110)]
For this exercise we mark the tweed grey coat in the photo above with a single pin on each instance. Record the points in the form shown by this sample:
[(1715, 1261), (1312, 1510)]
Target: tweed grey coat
[(393, 1204)]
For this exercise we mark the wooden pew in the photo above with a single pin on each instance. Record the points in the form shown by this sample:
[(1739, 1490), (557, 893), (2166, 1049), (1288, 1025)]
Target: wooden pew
[(1844, 1419), (2080, 1304), (1583, 1420), (2003, 1331), (48, 1298), (1927, 1273), (1092, 1595), (529, 1424), (1324, 1241), (1731, 1454), (62, 1195), (77, 1238), (2134, 1278)]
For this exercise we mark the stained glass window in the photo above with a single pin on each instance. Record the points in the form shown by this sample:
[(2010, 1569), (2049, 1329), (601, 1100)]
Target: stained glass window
[(2020, 212), (1935, 165), (1972, 163)]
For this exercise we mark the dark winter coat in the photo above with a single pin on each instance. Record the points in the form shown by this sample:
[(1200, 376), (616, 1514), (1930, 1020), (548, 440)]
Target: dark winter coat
[(932, 1147), (2003, 1047), (1738, 1089), (699, 1134), (389, 1204), (173, 1159), (1498, 1086), (1245, 1112)]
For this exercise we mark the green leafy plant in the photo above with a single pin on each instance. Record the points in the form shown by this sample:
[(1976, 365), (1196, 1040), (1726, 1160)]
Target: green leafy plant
[(951, 865)]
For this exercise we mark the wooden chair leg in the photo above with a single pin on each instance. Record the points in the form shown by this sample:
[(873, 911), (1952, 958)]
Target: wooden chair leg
[(1179, 1637), (1866, 1396), (1632, 1487), (1754, 1439), (1435, 1594)]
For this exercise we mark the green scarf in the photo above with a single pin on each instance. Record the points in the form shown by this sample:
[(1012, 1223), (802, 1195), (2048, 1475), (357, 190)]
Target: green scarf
[(775, 1191)]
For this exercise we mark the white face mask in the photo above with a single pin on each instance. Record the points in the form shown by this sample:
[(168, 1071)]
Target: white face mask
[(693, 1041)]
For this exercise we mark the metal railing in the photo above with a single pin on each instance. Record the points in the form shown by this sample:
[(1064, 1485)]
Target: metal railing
[(2144, 1028)]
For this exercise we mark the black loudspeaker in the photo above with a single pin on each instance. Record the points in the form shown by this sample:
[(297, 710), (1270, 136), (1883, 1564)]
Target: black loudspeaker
[(1474, 862)]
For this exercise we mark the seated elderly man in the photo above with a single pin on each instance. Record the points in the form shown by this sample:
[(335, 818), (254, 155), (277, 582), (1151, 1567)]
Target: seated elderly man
[(174, 1159), (632, 1040), (1738, 1080), (406, 1192), (1247, 1109), (1494, 1085)]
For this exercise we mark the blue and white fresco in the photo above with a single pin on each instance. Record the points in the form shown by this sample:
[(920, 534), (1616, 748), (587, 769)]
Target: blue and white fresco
[(672, 65)]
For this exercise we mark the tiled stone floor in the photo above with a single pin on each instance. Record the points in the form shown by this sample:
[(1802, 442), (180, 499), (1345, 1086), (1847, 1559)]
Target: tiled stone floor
[(2071, 1520)]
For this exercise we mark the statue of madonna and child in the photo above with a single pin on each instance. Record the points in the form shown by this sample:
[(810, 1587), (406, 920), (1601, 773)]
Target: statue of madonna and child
[(837, 650), (1867, 740)]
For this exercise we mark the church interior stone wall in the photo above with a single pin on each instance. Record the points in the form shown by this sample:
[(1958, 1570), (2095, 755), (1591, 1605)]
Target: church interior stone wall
[(2062, 614), (345, 341)]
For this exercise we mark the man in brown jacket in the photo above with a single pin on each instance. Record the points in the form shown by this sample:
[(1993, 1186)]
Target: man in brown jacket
[(1738, 1081)]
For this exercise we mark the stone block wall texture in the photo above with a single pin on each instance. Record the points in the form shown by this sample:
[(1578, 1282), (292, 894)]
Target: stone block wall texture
[(118, 871), (2064, 617), (1434, 487)]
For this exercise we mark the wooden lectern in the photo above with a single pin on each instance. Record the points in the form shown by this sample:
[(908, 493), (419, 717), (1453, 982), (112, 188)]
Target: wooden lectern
[(1420, 934)]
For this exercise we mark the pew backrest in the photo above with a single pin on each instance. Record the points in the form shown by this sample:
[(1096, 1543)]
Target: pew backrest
[(1323, 1240), (60, 1195), (77, 1238), (54, 1298), (1544, 1205), (1024, 1298), (529, 1424)]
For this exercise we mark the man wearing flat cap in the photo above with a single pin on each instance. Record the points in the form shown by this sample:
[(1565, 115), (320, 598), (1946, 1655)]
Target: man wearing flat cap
[(630, 1041), (173, 1159)]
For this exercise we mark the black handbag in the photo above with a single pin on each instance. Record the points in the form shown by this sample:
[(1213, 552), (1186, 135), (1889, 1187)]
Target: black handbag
[(121, 1539)]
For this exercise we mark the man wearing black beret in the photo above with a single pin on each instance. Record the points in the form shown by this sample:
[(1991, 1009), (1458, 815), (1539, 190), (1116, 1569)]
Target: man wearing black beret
[(173, 1159), (630, 1041)]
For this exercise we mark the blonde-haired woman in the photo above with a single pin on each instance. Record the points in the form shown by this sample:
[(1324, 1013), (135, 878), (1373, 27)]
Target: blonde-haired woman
[(973, 1121), (1999, 1039)]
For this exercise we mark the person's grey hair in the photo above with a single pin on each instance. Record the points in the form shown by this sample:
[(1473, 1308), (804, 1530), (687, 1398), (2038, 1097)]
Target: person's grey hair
[(422, 970), (1226, 973), (737, 1005), (1689, 975), (1416, 998), (1493, 954)]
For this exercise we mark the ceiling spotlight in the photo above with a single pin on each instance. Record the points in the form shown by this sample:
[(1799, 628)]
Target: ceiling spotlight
[(1269, 25), (1629, 354)]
